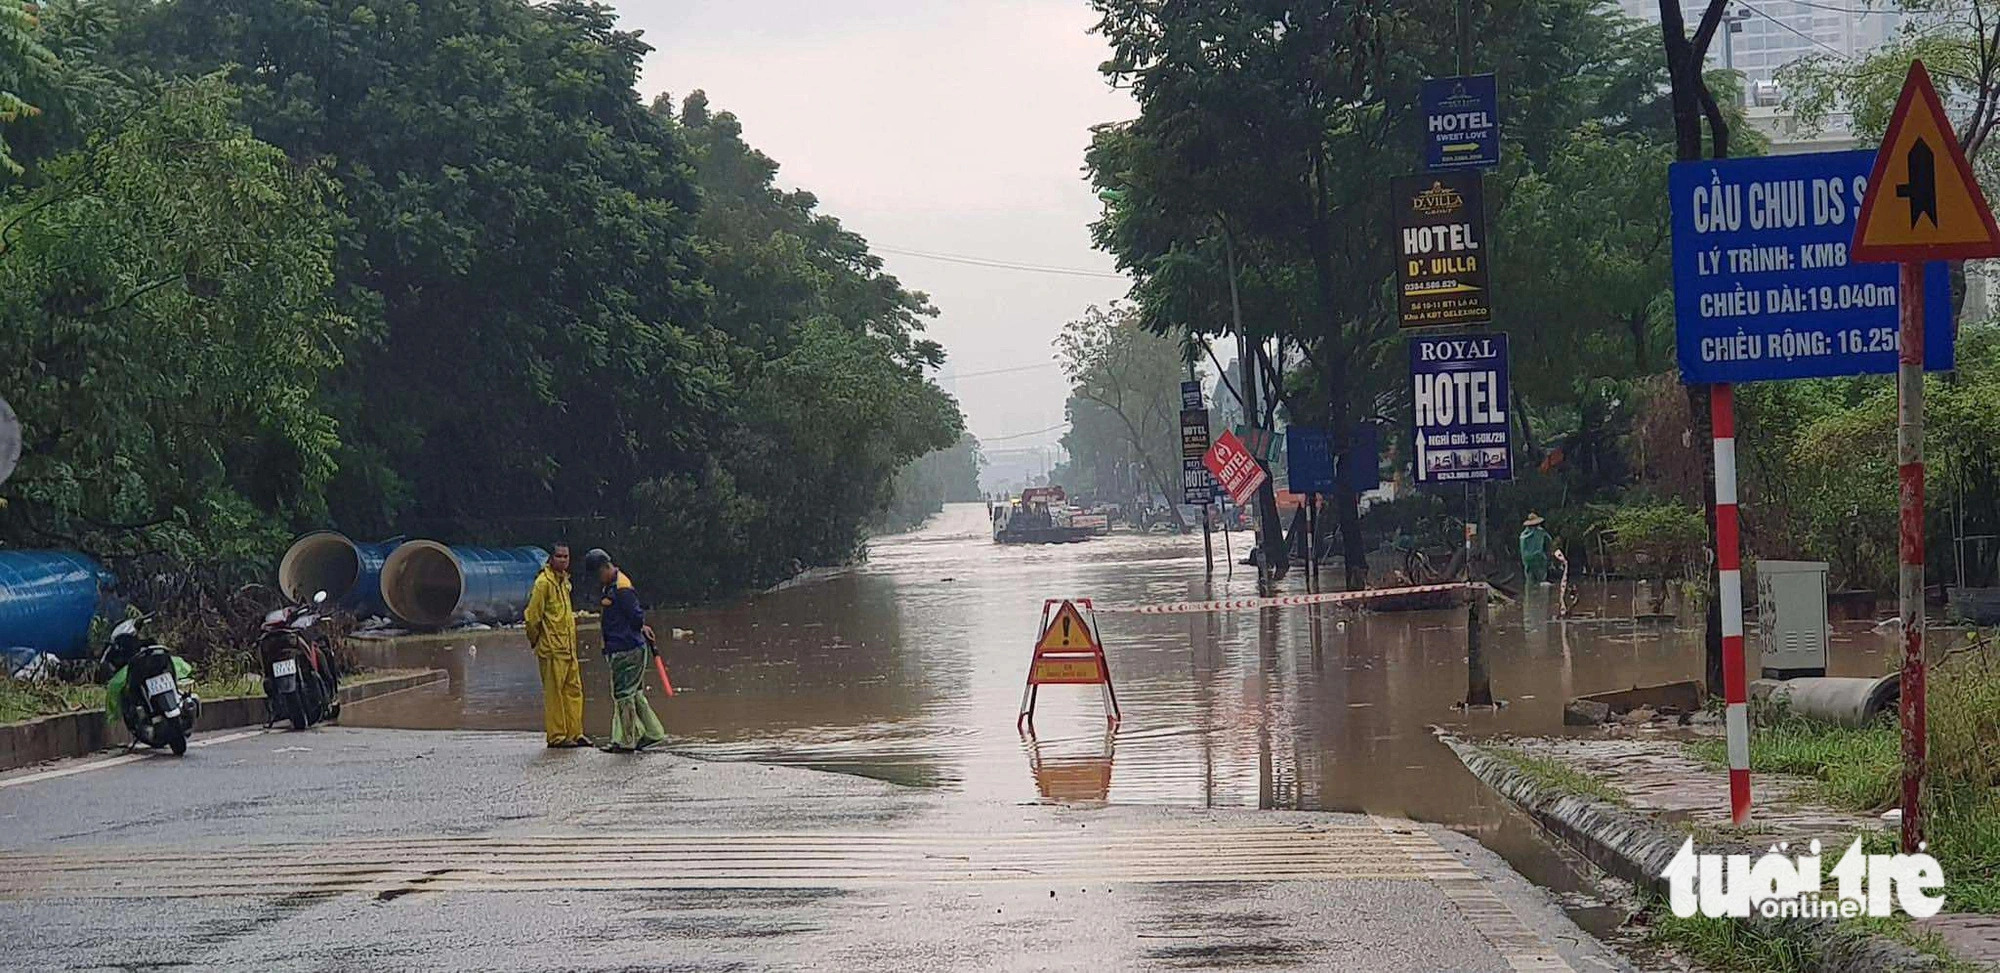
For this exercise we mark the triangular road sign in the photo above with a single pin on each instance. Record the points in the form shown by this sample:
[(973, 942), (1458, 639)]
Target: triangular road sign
[(1922, 202), (1067, 632)]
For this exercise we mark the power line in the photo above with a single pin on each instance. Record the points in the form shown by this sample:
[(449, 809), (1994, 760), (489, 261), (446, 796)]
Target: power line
[(1003, 371), (1021, 435), (1836, 52), (988, 262), (1864, 11)]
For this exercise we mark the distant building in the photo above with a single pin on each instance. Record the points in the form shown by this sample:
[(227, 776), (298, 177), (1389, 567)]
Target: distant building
[(1762, 36), (1769, 34)]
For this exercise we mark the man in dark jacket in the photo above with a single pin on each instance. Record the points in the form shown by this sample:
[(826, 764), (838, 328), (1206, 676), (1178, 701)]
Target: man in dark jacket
[(628, 643)]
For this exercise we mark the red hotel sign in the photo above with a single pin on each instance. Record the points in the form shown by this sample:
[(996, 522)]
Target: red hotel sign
[(1234, 468)]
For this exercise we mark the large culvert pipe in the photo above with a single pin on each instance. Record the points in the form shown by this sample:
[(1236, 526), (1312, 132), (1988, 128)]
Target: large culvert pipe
[(429, 585), (1842, 701), (349, 572), (47, 599)]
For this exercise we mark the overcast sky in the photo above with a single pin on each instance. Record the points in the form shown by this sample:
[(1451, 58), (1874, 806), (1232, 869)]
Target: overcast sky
[(943, 126)]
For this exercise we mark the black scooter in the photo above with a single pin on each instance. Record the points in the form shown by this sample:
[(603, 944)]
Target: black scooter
[(143, 685), (301, 675)]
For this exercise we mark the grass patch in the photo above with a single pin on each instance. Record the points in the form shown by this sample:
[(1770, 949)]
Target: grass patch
[(1861, 770), (1853, 769), (25, 701), (1726, 944), (1557, 776)]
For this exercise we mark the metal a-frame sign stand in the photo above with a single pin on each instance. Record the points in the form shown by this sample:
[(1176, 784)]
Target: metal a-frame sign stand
[(1067, 653)]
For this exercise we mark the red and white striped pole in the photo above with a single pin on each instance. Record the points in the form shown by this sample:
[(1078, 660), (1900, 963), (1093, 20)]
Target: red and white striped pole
[(1729, 568), (1910, 578)]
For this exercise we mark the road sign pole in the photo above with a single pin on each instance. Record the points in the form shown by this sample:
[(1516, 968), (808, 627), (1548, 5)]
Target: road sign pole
[(1910, 579), (1729, 580)]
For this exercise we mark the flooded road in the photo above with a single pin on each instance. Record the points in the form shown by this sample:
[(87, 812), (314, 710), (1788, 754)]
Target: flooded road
[(910, 668)]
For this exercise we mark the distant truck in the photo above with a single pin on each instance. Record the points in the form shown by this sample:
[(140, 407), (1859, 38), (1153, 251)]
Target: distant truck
[(1032, 518)]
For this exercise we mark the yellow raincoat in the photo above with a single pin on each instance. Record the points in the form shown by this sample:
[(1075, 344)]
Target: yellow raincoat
[(552, 631)]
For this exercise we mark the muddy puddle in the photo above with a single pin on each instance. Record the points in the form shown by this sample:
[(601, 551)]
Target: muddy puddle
[(910, 668)]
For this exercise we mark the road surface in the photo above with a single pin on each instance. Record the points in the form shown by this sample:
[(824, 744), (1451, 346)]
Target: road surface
[(356, 848)]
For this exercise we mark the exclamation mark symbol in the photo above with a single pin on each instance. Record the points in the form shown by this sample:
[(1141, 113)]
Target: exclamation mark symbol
[(1065, 630)]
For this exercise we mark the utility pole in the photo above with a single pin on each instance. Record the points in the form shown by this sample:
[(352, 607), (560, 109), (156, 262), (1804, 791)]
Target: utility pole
[(1267, 571), (1478, 680)]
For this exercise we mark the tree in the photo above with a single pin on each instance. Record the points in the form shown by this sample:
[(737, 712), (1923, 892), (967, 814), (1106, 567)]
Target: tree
[(576, 312), (1250, 195), (164, 330), (25, 64), (1959, 43), (1115, 365), (924, 485), (1694, 101)]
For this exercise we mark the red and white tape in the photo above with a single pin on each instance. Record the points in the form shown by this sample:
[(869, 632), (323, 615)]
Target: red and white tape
[(1281, 601)]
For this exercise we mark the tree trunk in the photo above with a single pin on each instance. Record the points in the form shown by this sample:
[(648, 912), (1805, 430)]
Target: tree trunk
[(1692, 102)]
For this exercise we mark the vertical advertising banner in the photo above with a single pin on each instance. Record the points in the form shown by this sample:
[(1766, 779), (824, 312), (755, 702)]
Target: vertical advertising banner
[(1462, 122), (1459, 394), (1441, 274), (1196, 487)]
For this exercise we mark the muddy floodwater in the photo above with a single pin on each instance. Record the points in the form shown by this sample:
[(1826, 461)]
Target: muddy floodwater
[(909, 667)]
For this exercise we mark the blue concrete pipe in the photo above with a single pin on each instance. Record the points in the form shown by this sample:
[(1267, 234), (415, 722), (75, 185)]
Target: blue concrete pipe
[(426, 584), (348, 571), (47, 599)]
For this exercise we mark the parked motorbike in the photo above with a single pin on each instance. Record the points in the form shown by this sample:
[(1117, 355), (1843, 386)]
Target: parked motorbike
[(301, 674), (143, 686)]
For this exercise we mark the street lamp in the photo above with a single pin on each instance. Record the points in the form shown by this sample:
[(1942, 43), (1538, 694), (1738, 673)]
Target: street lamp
[(1732, 23)]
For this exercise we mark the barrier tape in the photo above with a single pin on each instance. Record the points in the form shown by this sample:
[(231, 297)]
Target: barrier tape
[(1280, 601)]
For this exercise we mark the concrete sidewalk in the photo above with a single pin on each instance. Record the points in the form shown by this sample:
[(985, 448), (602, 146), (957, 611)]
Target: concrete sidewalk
[(344, 849)]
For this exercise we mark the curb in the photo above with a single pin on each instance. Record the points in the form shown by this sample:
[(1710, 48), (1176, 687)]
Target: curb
[(85, 732), (1629, 847)]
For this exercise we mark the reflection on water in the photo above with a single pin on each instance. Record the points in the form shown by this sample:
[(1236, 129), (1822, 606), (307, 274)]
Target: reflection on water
[(910, 668)]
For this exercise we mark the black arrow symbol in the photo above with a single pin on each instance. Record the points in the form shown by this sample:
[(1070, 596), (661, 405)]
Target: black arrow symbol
[(1921, 190)]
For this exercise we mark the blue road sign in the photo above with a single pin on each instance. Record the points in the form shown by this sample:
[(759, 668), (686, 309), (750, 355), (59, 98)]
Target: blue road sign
[(1462, 122), (1309, 460), (1459, 393), (1191, 395), (1361, 465), (1763, 287)]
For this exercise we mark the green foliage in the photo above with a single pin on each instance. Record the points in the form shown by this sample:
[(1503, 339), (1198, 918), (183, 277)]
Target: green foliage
[(1728, 944), (1820, 471), (1957, 41), (25, 64), (559, 311), (1558, 776), (163, 291), (1853, 769), (1861, 770), (1271, 136), (924, 485), (1124, 406)]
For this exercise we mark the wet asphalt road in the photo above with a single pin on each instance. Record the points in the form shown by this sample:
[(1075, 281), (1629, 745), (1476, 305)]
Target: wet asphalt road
[(369, 849), (1236, 820)]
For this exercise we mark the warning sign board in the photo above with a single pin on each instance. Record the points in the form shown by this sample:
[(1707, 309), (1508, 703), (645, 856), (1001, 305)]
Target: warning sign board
[(1067, 653), (1923, 203), (1068, 632), (1067, 672)]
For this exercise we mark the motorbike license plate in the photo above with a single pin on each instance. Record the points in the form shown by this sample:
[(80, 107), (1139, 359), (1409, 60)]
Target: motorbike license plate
[(285, 667), (162, 683)]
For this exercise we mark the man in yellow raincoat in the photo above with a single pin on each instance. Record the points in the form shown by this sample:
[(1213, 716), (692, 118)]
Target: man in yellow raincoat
[(552, 631)]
